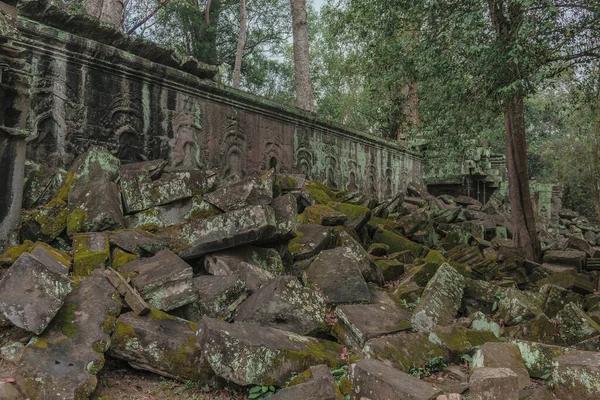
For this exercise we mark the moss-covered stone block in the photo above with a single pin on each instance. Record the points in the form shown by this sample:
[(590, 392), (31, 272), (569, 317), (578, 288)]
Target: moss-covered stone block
[(89, 251), (574, 325), (398, 243)]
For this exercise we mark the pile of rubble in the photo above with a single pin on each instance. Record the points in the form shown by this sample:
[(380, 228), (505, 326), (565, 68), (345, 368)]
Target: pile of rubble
[(277, 282)]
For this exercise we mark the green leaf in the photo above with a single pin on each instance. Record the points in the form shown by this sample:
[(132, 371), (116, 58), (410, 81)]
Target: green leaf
[(255, 395), (265, 389), (255, 389), (272, 388)]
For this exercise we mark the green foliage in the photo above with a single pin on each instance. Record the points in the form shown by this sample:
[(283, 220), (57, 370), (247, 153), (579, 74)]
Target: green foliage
[(261, 392), (432, 366)]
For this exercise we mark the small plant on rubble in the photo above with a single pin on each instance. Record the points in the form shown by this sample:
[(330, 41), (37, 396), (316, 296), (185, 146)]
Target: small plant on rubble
[(261, 392)]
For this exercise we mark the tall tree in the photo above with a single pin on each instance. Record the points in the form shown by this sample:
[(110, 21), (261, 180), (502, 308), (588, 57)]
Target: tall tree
[(239, 54), (305, 98)]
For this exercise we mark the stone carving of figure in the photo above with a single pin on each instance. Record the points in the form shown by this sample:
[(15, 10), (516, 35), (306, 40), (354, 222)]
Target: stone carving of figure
[(184, 145)]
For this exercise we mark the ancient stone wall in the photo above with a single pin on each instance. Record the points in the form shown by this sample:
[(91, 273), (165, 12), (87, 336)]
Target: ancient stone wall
[(84, 92)]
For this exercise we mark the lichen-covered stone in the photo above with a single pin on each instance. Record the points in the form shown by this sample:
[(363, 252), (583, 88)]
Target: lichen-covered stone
[(574, 325), (96, 163), (249, 354), (391, 269), (358, 216), (286, 211), (310, 240), (159, 343), (216, 297), (358, 323), (516, 307), (244, 226), (481, 322), (285, 304), (538, 357), (398, 243), (63, 362), (89, 251), (501, 355), (32, 292), (119, 257), (377, 380), (578, 283), (576, 375), (441, 300), (53, 259), (336, 273), (403, 350), (164, 280), (539, 329), (457, 340)]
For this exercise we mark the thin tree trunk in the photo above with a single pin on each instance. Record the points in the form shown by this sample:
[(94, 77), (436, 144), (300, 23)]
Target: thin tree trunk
[(239, 54), (524, 231), (305, 98)]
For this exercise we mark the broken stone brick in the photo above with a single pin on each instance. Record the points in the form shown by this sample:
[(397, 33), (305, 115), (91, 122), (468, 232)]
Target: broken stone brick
[(164, 280), (62, 363), (132, 297), (458, 340), (554, 298), (501, 355), (254, 265), (494, 384), (96, 163), (286, 211), (159, 343), (32, 292), (358, 216), (137, 242), (440, 301), (539, 329), (570, 258), (53, 259), (251, 191), (336, 273), (369, 270), (403, 350), (283, 303), (398, 243), (249, 354), (377, 380), (576, 375), (358, 323), (315, 383), (89, 251), (216, 295), (310, 240), (578, 283), (244, 226), (94, 206), (515, 307)]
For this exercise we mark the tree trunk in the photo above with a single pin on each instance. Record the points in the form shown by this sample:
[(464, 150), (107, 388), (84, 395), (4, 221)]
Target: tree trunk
[(524, 231), (107, 11), (304, 92), (410, 110), (239, 54)]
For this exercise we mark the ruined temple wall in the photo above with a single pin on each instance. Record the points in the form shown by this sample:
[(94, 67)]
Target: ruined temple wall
[(84, 92)]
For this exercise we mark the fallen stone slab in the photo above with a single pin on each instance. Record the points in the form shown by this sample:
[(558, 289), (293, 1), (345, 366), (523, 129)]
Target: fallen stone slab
[(96, 163), (159, 343), (538, 357), (94, 206), (501, 355), (31, 293), (250, 191), (164, 280), (53, 259), (368, 268), (555, 298), (578, 283), (253, 265), (539, 329), (336, 273), (440, 301), (457, 340), (131, 296), (216, 295), (576, 375), (494, 384), (358, 216), (403, 350), (250, 354), (399, 243), (574, 325), (89, 251), (283, 303), (376, 380), (138, 242), (120, 257), (358, 323), (310, 240), (63, 362), (315, 383), (140, 192), (240, 227)]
